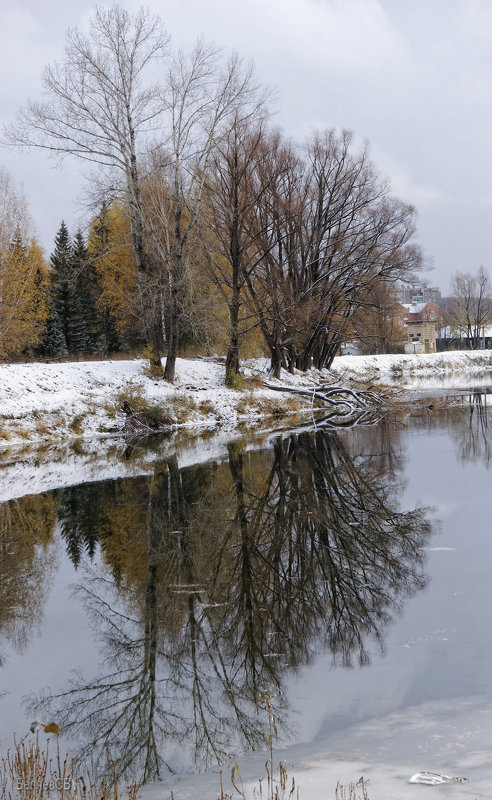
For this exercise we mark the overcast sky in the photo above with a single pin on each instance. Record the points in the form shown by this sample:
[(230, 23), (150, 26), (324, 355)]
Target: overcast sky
[(413, 78)]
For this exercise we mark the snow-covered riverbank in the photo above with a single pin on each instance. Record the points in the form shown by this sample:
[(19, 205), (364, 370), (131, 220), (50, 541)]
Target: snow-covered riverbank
[(383, 367), (52, 402)]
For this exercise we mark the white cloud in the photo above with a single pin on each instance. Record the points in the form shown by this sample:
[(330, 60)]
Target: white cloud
[(414, 78), (406, 186), (342, 34), (21, 55)]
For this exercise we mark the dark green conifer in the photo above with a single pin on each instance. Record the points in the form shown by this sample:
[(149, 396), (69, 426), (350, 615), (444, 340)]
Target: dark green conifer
[(66, 327), (87, 288)]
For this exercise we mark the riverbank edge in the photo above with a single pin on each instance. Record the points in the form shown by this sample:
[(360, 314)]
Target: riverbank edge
[(54, 403)]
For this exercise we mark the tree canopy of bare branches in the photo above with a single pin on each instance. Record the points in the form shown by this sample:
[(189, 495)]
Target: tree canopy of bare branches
[(470, 308), (235, 188), (296, 235), (206, 95), (100, 108), (328, 227)]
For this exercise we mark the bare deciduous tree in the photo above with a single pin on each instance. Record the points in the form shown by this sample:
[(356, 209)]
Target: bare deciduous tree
[(332, 229), (204, 93), (100, 109), (235, 188), (375, 324), (471, 305), (14, 215)]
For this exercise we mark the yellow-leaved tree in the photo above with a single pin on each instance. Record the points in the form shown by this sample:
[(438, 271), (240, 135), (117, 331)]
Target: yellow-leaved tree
[(23, 275), (114, 262)]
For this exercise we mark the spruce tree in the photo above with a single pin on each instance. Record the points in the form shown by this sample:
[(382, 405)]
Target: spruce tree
[(66, 324), (54, 343), (87, 289)]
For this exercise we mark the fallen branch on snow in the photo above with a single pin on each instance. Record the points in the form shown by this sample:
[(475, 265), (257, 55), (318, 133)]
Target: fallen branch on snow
[(345, 401)]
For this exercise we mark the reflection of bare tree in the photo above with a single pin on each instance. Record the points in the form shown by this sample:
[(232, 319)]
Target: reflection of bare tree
[(467, 424), (227, 576), (472, 435), (325, 550), (379, 446), (166, 678), (26, 530)]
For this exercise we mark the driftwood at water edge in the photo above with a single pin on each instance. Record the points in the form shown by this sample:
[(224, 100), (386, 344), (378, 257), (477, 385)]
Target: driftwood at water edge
[(341, 399)]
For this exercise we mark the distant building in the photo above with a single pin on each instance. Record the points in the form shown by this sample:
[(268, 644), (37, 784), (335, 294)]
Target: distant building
[(418, 294), (350, 349), (420, 321), (458, 338)]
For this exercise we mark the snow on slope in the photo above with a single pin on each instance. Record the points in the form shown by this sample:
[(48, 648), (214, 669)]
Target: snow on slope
[(40, 402), (387, 366)]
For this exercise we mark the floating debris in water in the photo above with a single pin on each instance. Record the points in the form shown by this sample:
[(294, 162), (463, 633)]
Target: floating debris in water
[(52, 727), (434, 779), (36, 726)]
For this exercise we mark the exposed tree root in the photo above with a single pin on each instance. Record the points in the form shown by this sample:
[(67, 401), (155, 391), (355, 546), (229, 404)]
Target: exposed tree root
[(348, 407)]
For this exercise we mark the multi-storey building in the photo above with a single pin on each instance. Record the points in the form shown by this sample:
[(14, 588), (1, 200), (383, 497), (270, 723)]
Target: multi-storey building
[(421, 321), (418, 294)]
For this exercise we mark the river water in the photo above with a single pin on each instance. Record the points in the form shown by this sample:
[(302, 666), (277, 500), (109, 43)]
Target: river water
[(337, 583)]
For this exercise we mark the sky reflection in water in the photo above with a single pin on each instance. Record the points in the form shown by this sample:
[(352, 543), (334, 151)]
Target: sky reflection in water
[(201, 594)]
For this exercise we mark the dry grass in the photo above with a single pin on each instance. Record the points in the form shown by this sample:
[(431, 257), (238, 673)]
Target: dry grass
[(180, 407), (255, 381), (131, 398), (77, 446), (235, 381), (75, 424), (268, 407), (246, 405), (142, 415), (206, 407), (277, 785), (30, 772), (352, 791)]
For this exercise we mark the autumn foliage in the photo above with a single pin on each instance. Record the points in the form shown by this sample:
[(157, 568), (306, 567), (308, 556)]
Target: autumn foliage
[(23, 275), (211, 228)]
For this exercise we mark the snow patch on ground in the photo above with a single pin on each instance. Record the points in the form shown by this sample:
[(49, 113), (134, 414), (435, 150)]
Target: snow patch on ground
[(387, 366), (61, 424), (40, 402), (51, 402)]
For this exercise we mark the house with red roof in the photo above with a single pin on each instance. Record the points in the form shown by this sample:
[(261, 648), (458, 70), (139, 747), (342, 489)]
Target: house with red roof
[(420, 320)]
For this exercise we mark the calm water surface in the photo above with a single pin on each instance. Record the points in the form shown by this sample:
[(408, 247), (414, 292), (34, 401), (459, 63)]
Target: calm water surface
[(336, 577)]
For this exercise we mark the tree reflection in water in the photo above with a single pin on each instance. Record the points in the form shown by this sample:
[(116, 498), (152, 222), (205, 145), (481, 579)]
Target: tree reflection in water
[(473, 439), (26, 564), (467, 424), (219, 579)]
